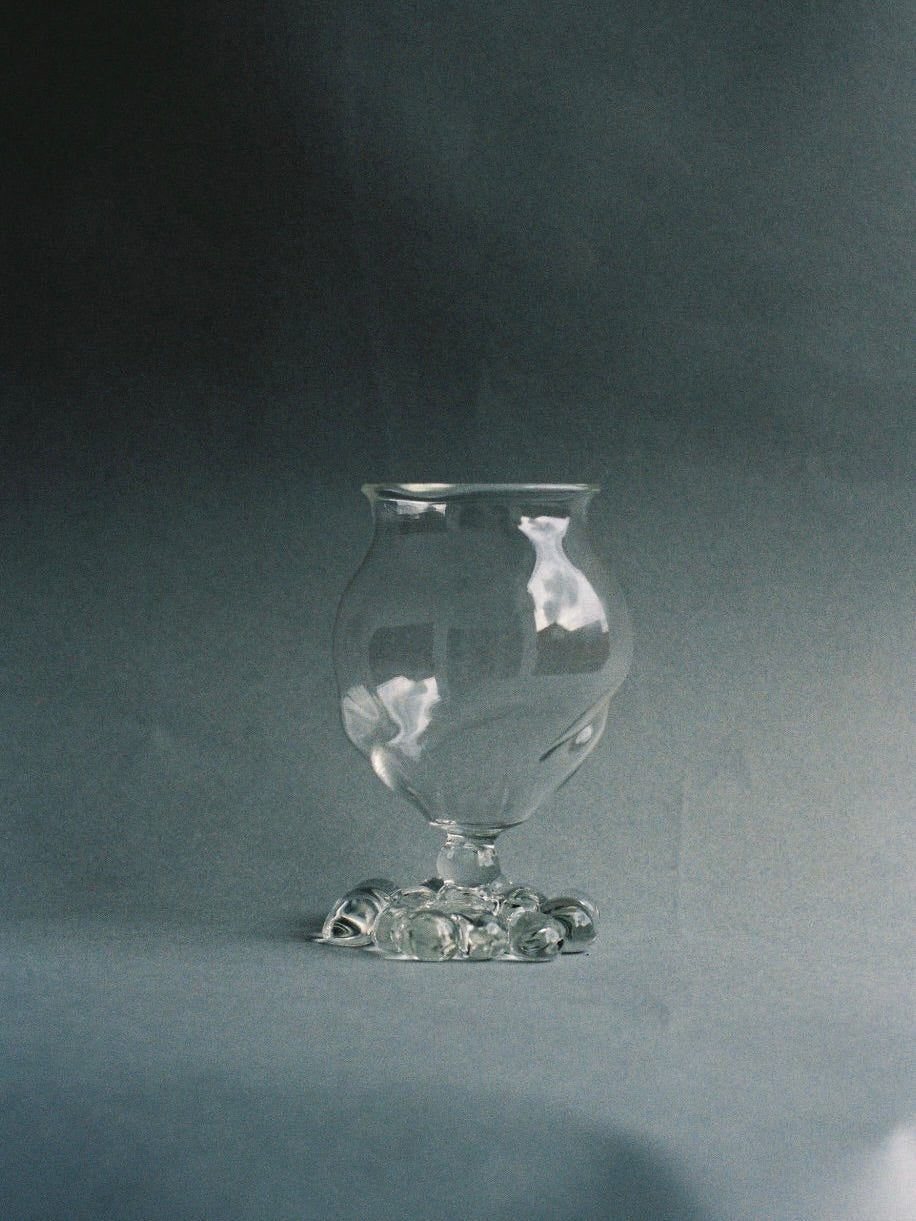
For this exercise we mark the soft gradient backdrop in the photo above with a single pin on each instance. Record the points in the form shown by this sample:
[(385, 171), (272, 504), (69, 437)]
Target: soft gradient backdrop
[(255, 255)]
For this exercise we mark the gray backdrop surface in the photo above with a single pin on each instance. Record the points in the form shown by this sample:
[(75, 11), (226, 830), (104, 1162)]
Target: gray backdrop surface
[(256, 258)]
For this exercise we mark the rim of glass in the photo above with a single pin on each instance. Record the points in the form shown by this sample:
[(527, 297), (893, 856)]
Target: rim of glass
[(446, 491)]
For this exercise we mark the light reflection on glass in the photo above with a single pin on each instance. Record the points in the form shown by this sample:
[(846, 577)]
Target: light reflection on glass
[(560, 592), (409, 704), (360, 715), (407, 508)]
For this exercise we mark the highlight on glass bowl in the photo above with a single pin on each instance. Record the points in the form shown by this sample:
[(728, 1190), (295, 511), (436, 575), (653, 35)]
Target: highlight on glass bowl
[(476, 650)]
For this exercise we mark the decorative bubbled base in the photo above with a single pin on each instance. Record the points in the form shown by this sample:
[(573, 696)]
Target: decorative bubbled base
[(453, 919)]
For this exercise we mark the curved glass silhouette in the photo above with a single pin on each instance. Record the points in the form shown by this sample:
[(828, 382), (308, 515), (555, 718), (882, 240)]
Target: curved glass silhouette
[(477, 650)]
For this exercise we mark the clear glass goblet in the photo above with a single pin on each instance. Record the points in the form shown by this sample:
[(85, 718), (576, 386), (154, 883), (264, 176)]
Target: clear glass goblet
[(476, 650)]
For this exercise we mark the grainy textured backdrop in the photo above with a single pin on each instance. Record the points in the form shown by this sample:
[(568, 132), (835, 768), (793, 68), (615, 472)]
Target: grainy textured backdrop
[(256, 255)]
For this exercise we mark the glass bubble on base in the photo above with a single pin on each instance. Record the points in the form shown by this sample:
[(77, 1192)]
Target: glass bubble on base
[(535, 936), (352, 918), (476, 650)]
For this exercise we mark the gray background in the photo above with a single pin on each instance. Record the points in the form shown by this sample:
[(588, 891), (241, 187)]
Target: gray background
[(255, 257)]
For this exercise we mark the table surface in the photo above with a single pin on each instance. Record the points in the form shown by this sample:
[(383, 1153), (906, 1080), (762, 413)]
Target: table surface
[(153, 1072)]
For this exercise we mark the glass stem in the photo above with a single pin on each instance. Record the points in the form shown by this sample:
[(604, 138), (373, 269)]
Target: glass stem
[(469, 860)]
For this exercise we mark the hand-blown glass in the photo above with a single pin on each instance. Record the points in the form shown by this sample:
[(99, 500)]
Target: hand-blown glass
[(476, 650)]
